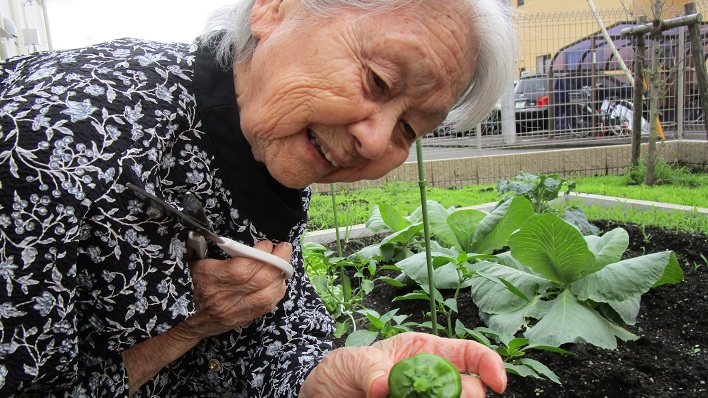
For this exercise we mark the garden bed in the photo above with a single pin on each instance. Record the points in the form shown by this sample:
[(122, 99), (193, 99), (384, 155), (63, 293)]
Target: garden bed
[(670, 359)]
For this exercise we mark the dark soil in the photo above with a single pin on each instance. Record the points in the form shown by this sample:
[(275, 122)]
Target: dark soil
[(670, 359)]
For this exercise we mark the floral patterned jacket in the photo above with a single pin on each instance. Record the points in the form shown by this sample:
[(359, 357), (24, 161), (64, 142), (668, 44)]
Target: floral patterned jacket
[(88, 268)]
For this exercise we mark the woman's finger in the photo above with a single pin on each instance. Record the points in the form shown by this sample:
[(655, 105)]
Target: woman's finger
[(472, 387), (350, 372), (468, 356)]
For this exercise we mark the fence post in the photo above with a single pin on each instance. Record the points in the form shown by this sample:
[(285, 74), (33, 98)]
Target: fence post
[(694, 34), (680, 80)]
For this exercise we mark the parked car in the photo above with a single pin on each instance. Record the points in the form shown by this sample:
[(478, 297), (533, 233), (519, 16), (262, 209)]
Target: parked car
[(531, 103), (575, 98), (491, 124)]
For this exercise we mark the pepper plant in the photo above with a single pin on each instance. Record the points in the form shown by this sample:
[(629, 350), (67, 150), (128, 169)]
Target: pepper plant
[(470, 233), (379, 327), (333, 284), (513, 350)]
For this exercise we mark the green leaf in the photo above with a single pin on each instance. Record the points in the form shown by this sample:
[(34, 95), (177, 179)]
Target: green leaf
[(513, 289), (494, 230), (389, 216), (437, 218), (549, 348), (451, 303), (375, 222), (627, 310), (341, 328), (508, 322), (517, 343), (549, 245), (387, 317), (672, 274), (462, 330), (405, 235), (622, 333), (521, 370), (541, 369), (367, 285), (371, 251), (361, 338), (463, 224), (609, 248), (417, 295), (490, 294), (623, 280), (391, 281), (570, 321), (445, 277)]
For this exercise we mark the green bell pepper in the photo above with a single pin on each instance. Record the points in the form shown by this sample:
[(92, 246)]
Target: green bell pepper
[(424, 375)]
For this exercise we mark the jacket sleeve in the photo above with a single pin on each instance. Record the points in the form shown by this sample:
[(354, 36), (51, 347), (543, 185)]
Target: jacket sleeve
[(39, 336)]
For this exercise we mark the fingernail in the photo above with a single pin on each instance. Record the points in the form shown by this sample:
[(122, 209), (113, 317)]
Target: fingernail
[(502, 377)]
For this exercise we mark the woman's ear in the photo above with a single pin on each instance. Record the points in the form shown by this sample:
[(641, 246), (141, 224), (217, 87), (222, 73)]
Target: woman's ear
[(266, 15)]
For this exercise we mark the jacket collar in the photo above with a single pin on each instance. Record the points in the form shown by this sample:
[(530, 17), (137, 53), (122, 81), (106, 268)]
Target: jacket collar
[(273, 208)]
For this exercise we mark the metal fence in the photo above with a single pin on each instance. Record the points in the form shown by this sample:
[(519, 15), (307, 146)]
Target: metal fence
[(572, 89)]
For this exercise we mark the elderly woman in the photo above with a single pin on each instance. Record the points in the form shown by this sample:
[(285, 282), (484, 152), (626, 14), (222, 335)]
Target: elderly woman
[(98, 298)]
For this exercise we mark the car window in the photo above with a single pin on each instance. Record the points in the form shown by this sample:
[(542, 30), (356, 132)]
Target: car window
[(531, 86)]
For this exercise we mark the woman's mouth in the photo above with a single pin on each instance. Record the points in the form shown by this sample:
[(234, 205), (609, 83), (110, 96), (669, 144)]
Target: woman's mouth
[(322, 150)]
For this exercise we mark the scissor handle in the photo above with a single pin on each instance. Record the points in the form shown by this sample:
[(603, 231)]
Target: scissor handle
[(199, 244), (236, 249)]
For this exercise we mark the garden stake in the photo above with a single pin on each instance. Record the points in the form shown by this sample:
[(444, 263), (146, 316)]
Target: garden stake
[(346, 285), (426, 232)]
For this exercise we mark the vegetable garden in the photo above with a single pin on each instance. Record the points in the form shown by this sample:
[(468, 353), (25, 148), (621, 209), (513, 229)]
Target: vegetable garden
[(576, 308)]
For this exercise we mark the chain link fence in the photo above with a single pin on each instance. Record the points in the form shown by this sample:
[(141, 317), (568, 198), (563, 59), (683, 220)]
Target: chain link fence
[(573, 90)]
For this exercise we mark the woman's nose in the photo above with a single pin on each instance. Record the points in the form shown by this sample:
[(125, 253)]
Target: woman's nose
[(373, 134)]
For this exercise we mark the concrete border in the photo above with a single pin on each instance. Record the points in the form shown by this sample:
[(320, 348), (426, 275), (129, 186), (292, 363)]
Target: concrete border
[(360, 230), (567, 163)]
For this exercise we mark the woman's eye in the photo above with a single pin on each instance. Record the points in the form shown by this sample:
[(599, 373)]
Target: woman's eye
[(379, 83), (408, 131)]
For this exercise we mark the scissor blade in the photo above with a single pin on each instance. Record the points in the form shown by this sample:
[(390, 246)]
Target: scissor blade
[(193, 224)]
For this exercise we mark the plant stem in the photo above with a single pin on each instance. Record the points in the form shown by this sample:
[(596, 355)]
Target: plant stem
[(426, 232), (333, 194), (346, 289)]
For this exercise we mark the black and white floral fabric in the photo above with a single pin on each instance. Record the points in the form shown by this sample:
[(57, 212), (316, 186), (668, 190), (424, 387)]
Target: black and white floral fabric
[(88, 268)]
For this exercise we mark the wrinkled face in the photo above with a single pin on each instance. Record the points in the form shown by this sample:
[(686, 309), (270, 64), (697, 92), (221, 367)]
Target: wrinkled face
[(345, 98)]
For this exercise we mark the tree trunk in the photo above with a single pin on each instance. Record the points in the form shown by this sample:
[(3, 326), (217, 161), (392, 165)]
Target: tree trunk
[(650, 176), (638, 99), (694, 36)]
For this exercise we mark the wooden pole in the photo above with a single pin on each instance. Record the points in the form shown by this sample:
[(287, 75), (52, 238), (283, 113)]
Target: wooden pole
[(638, 97), (694, 36), (649, 175)]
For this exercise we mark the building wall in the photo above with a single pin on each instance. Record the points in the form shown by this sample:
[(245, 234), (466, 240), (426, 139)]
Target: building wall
[(578, 5), (563, 5), (545, 26)]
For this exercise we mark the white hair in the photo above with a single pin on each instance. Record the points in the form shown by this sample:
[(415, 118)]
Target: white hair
[(491, 26)]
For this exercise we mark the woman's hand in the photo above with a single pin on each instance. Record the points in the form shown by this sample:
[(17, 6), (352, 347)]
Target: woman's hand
[(228, 294), (363, 371), (231, 293)]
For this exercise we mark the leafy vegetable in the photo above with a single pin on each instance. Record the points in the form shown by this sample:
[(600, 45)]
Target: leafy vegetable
[(578, 289)]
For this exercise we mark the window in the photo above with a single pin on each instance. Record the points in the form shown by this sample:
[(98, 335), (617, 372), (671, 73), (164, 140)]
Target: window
[(543, 63), (519, 2)]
